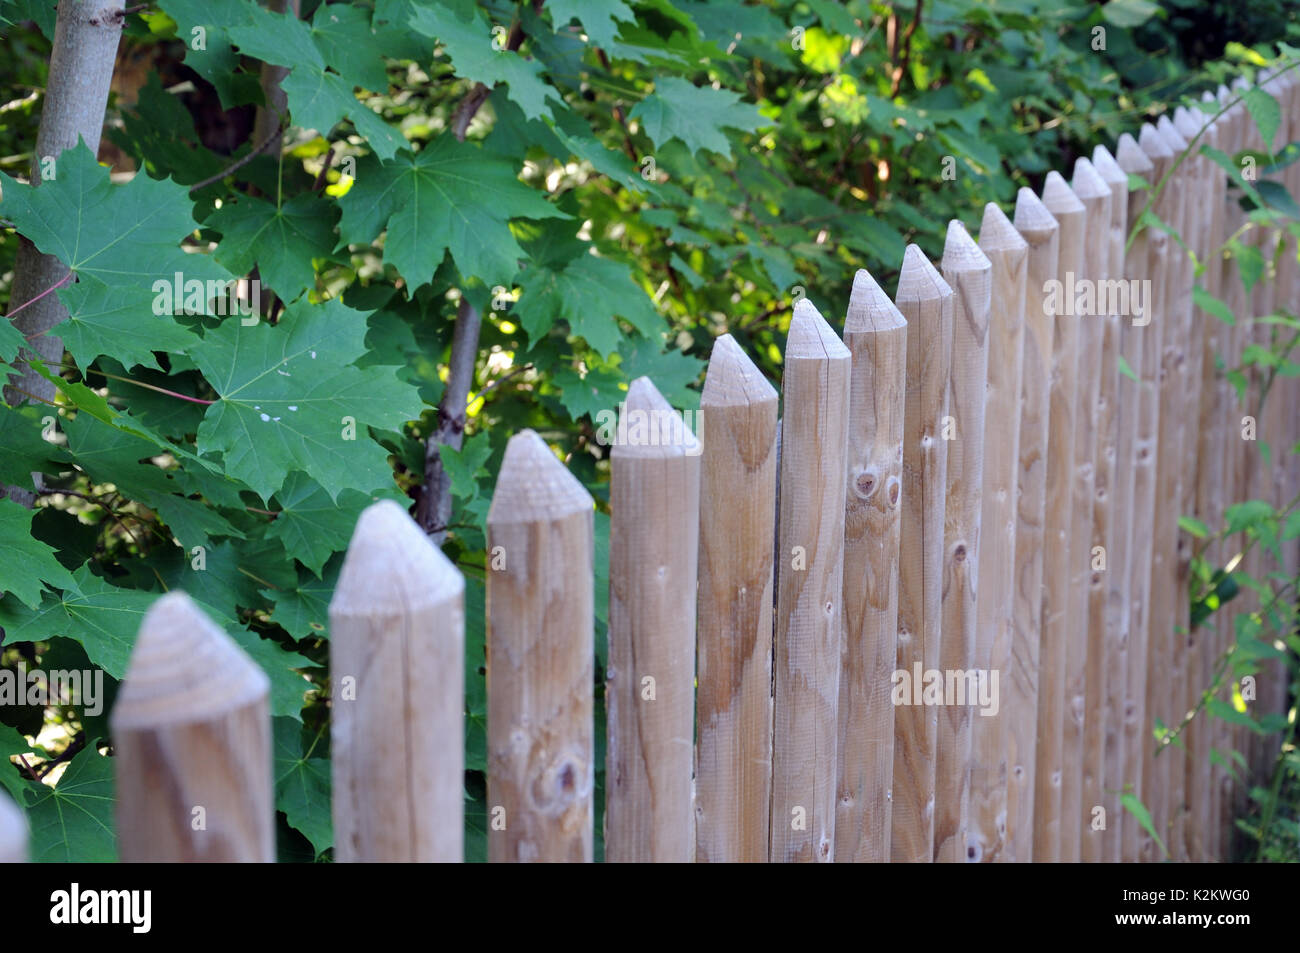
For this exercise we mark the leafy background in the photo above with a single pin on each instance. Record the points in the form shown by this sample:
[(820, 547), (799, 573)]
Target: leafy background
[(637, 176)]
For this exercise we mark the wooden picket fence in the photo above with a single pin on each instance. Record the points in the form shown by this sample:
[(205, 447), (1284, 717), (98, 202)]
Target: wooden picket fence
[(965, 483)]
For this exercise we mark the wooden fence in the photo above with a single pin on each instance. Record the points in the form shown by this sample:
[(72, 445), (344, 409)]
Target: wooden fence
[(932, 614)]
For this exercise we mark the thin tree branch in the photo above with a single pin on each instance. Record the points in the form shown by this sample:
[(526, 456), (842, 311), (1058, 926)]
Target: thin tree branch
[(433, 509), (239, 163)]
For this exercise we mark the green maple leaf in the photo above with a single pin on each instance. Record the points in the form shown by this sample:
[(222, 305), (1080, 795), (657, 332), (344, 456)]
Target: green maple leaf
[(475, 680), (470, 44), (41, 12), (303, 611), (513, 135), (586, 292), (23, 448), (276, 38), (287, 685), (467, 464), (106, 618), (110, 455), (590, 394), (216, 61), (302, 786), (11, 339), (355, 47), (103, 617), (672, 371), (118, 321), (280, 241), (291, 399), (12, 743), (695, 115), (600, 18), (222, 579), (28, 565), (312, 526), (200, 478), (72, 822), (119, 240), (450, 196), (318, 97)]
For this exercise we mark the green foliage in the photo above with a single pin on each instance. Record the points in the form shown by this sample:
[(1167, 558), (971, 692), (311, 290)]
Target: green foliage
[(635, 176)]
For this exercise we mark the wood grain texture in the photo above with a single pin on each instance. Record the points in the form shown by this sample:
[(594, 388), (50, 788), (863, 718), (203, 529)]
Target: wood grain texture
[(1008, 253), (876, 336), (1186, 187), (650, 679), (539, 658), (925, 301), (1142, 346), (1081, 780), (1116, 432), (733, 768), (969, 273), (397, 631), (1164, 568), (810, 587), (1042, 234), (13, 832), (1065, 207), (1199, 830), (192, 741)]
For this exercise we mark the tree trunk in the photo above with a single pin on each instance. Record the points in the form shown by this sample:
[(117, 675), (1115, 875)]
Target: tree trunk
[(76, 95)]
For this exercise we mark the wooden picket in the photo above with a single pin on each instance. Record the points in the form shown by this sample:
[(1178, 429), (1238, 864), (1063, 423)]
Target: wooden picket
[(934, 612)]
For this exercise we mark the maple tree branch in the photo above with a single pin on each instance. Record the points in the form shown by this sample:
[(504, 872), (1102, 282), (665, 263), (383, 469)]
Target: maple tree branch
[(433, 508), (239, 163), (476, 97), (22, 759), (67, 754), (513, 372)]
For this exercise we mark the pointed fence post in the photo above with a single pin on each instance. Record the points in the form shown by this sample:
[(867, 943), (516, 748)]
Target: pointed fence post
[(1081, 782), (192, 737), (876, 336), (810, 585), (1116, 431), (737, 506), (925, 301), (1214, 476), (1164, 541), (1207, 445), (969, 274), (650, 677), (733, 767), (1190, 203), (1142, 347), (397, 664), (540, 659), (1008, 253), (1042, 234), (1059, 199)]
